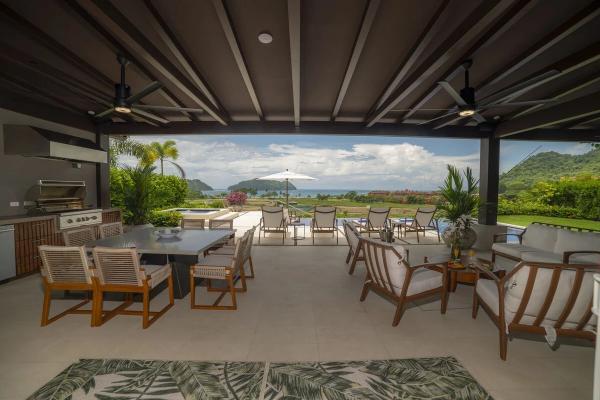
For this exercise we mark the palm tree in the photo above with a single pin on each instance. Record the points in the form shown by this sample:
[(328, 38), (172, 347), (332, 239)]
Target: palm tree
[(125, 146), (162, 152)]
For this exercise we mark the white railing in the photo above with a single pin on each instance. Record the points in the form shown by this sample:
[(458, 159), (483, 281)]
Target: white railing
[(596, 310)]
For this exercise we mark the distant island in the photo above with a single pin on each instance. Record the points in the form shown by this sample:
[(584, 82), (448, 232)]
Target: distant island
[(197, 186), (255, 184)]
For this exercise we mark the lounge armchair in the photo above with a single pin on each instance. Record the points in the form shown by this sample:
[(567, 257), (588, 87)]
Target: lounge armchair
[(391, 276), (324, 221), (111, 229), (377, 219), (119, 270), (78, 237), (66, 268), (223, 268), (535, 295), (550, 244), (424, 220), (354, 252), (274, 220)]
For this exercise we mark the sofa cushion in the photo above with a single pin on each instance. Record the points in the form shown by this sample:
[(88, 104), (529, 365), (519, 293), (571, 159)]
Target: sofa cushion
[(512, 249), (540, 237), (579, 241), (541, 256)]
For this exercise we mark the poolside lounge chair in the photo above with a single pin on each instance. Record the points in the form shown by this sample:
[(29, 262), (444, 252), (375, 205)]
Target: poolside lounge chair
[(324, 221), (535, 295), (65, 268), (354, 252), (119, 270), (228, 268), (78, 237), (230, 250), (111, 229), (274, 220), (377, 219), (424, 220), (392, 277)]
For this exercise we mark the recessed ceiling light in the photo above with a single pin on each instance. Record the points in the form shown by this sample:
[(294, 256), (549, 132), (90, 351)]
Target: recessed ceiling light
[(90, 112), (265, 37), (123, 109), (466, 112)]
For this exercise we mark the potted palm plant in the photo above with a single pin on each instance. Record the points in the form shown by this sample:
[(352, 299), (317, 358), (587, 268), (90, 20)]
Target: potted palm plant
[(459, 202)]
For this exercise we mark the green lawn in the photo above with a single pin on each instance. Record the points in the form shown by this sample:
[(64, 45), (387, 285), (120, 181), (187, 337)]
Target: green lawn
[(524, 220)]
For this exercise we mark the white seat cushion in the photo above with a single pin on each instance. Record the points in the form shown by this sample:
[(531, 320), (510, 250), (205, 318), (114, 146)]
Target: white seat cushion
[(540, 237), (579, 241), (541, 256), (424, 280), (487, 290), (512, 249), (157, 273), (416, 253)]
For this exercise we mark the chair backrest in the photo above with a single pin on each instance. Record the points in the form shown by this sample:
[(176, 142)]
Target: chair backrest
[(111, 229), (238, 260), (192, 223), (249, 243), (560, 295), (352, 235), (65, 264), (79, 237), (324, 216), (424, 216), (272, 217), (215, 224), (385, 266), (377, 217), (118, 266)]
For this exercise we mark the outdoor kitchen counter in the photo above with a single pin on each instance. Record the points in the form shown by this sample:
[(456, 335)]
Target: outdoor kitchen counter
[(18, 219)]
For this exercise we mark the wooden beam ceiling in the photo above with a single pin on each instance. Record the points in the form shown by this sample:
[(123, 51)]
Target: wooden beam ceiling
[(225, 20), (582, 107), (359, 44), (474, 25), (293, 7), (135, 40)]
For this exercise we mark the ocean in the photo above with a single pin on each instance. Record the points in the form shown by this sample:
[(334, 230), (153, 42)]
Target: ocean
[(297, 192)]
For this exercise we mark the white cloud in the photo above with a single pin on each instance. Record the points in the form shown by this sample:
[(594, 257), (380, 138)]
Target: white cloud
[(221, 163)]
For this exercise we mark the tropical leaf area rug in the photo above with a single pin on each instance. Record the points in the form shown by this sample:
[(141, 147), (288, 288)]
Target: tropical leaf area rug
[(419, 378)]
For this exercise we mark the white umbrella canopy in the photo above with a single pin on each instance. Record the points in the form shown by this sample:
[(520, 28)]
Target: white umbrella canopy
[(287, 176)]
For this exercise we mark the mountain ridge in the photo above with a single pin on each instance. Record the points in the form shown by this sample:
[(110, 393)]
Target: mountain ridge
[(256, 184)]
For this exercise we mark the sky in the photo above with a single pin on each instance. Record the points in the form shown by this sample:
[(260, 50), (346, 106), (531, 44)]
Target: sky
[(340, 162)]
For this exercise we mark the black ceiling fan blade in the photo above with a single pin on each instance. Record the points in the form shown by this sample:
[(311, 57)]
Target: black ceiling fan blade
[(478, 117), (167, 108), (149, 115), (448, 114), (144, 92), (453, 93), (105, 113), (521, 103)]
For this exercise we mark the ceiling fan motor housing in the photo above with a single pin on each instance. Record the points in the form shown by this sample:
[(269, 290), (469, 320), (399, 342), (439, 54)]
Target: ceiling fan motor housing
[(468, 95), (122, 92)]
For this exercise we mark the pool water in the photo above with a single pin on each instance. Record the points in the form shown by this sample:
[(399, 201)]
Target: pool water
[(196, 210)]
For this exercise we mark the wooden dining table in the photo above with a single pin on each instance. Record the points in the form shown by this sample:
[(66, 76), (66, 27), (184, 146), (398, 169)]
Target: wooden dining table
[(181, 251)]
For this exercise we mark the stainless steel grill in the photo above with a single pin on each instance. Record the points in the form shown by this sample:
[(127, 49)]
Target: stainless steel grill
[(55, 196)]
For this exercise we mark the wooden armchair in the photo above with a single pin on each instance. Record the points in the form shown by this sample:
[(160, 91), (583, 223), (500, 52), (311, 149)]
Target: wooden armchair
[(228, 268), (273, 221), (355, 246), (324, 221), (377, 219), (423, 221), (119, 270), (110, 229), (66, 268), (392, 277), (247, 255), (534, 296)]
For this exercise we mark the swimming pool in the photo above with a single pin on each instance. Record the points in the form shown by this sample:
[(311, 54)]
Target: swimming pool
[(200, 213)]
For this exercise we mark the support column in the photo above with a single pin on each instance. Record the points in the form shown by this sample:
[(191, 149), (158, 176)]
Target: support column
[(102, 175), (489, 166)]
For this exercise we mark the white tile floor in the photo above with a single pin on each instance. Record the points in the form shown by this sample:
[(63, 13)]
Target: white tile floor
[(302, 306)]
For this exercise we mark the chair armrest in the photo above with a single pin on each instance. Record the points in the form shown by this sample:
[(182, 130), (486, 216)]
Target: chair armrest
[(518, 235), (568, 254), (489, 274)]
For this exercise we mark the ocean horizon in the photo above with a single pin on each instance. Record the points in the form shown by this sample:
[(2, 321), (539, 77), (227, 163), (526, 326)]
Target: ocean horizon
[(297, 192)]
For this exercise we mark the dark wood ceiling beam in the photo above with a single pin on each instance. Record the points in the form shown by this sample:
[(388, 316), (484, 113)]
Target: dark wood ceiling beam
[(170, 40), (582, 107), (574, 23), (231, 37), (150, 54), (508, 20), (359, 44), (293, 7), (585, 122), (76, 9), (422, 42), (472, 27)]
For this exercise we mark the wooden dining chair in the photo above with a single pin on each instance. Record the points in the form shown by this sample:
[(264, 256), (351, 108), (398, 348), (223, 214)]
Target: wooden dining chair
[(66, 268), (224, 268), (192, 223), (79, 237), (355, 246), (229, 249), (119, 270), (110, 230)]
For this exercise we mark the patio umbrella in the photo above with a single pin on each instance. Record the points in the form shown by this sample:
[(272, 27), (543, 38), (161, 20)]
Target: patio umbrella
[(287, 176)]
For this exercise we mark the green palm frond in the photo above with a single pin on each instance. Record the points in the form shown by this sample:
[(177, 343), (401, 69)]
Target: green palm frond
[(76, 376), (459, 195), (198, 380)]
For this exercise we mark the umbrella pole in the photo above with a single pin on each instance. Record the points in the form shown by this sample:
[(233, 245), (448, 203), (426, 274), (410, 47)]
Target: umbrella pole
[(287, 196)]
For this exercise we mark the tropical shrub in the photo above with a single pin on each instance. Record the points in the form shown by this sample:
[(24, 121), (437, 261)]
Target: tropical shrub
[(137, 195), (168, 191), (237, 198), (215, 203), (164, 218), (459, 195)]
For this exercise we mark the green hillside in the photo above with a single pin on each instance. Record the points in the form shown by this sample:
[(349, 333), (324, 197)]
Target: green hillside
[(549, 166), (196, 185), (261, 185)]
